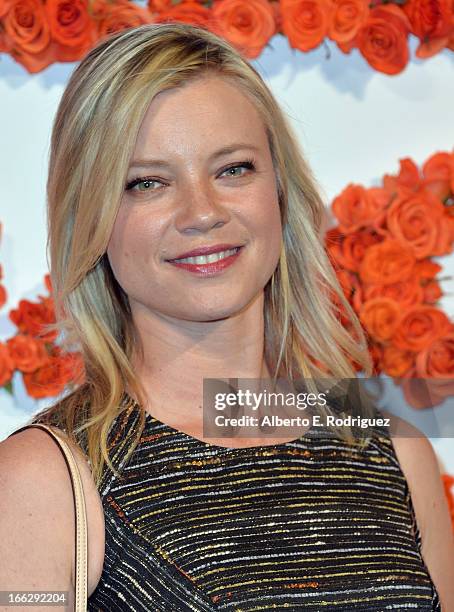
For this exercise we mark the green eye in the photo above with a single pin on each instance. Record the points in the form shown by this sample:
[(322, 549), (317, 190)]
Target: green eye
[(233, 168), (140, 181), (249, 165), (146, 184)]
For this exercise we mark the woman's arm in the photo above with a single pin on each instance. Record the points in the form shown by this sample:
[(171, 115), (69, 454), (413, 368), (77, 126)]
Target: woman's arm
[(37, 523), (419, 464)]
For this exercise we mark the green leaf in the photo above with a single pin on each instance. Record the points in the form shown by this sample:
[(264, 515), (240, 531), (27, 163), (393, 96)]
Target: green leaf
[(8, 387)]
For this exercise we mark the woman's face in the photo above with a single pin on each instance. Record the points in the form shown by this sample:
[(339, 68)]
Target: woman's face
[(191, 199)]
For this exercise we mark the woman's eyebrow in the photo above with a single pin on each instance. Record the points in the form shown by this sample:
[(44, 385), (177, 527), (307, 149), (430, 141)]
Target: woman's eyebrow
[(145, 163)]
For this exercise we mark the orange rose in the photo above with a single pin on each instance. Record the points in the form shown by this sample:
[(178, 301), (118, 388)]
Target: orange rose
[(346, 19), (376, 353), (357, 207), (406, 293), (380, 317), (156, 6), (6, 365), (430, 47), (408, 176), (437, 359), (357, 299), (27, 352), (47, 381), (419, 327), (429, 19), (247, 26), (348, 282), (4, 7), (73, 370), (275, 5), (3, 296), (26, 25), (71, 27), (387, 262), (48, 283), (6, 44), (305, 22), (438, 172), (30, 318), (423, 393), (380, 200), (36, 62), (123, 14), (396, 362), (432, 292), (383, 39), (417, 220), (348, 251), (427, 269), (352, 289), (188, 12), (450, 43)]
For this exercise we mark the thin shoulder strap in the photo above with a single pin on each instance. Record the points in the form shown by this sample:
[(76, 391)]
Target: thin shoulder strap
[(81, 517)]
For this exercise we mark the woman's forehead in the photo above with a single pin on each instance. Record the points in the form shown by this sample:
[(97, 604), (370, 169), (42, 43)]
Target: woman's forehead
[(201, 115)]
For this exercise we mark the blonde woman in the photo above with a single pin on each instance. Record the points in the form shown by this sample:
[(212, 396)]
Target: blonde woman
[(168, 146)]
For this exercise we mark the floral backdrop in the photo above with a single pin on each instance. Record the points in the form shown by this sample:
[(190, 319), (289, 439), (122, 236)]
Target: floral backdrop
[(37, 33), (383, 249)]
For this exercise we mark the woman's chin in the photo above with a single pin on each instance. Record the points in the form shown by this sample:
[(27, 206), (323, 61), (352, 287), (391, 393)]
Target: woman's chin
[(216, 312)]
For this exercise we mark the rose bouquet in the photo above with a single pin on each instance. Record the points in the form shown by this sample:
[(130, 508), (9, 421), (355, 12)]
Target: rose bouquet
[(37, 33), (382, 249), (35, 353)]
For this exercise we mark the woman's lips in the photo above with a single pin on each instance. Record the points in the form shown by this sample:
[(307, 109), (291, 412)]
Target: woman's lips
[(208, 269)]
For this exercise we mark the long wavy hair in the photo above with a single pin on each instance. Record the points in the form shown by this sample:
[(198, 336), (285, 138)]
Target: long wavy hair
[(92, 142)]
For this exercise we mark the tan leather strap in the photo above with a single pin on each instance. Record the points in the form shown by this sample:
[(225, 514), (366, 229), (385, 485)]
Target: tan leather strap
[(81, 517)]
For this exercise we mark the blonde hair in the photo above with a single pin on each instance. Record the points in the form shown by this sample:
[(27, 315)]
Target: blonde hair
[(93, 138)]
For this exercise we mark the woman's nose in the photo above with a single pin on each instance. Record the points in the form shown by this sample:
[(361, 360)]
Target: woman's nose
[(200, 209)]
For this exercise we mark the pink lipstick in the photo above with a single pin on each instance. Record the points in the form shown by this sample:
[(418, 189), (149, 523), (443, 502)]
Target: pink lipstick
[(208, 261)]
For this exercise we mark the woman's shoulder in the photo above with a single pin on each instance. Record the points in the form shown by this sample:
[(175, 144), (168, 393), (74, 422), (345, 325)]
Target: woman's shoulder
[(33, 466)]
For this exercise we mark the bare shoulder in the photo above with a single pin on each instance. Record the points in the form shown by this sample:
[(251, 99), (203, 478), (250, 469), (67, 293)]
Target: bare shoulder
[(420, 467), (31, 463)]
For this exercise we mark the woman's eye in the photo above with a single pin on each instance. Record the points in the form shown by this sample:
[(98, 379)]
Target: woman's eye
[(249, 165), (144, 182)]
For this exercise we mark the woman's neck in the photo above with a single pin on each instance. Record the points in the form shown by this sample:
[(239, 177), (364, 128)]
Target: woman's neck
[(178, 355)]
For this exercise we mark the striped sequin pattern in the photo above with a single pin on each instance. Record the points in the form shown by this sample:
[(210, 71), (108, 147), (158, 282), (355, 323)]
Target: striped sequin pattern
[(311, 524)]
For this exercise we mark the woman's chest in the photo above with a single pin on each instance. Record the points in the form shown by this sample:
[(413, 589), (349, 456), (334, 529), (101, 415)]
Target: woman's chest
[(282, 529)]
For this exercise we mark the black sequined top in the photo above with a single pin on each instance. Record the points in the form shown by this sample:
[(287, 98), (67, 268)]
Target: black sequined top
[(309, 524)]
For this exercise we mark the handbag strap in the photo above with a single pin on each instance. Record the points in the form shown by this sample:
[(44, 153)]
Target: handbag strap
[(81, 517)]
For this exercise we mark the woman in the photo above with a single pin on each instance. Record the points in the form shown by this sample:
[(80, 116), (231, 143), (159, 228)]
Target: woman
[(168, 144)]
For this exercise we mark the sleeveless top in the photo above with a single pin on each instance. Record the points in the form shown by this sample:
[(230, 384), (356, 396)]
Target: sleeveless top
[(312, 523)]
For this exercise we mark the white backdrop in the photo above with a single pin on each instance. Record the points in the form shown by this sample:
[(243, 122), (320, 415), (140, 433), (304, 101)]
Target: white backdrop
[(353, 123)]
